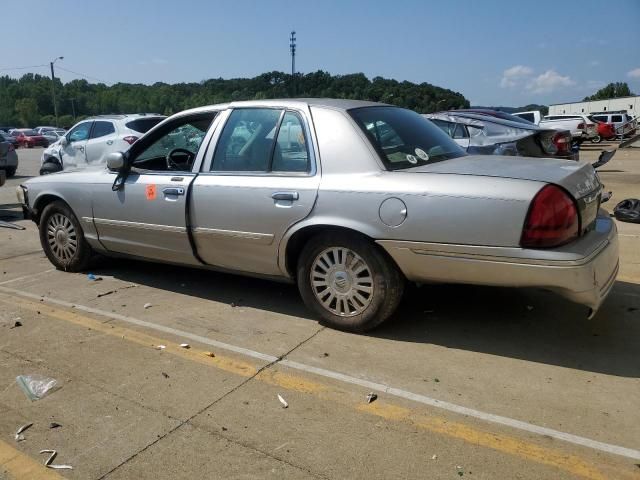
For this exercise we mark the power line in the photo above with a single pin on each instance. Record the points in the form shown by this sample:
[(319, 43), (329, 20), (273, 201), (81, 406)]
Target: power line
[(82, 74), (22, 68)]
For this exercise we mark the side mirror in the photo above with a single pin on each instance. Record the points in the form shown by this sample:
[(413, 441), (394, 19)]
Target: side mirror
[(64, 141), (115, 161)]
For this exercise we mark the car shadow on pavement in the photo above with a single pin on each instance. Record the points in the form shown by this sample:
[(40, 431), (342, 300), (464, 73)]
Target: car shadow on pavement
[(527, 324)]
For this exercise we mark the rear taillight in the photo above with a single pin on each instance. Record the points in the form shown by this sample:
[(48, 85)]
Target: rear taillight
[(552, 219), (581, 126), (562, 142), (130, 139)]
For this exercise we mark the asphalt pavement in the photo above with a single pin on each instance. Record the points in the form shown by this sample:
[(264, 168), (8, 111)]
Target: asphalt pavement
[(470, 382)]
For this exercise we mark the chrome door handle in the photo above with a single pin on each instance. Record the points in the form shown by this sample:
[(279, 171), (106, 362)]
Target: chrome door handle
[(173, 191), (81, 148), (285, 196)]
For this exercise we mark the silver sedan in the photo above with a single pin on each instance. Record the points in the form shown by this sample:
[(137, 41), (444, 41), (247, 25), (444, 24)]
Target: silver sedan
[(349, 199)]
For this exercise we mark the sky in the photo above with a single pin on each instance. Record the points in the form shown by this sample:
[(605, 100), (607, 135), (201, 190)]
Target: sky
[(494, 52)]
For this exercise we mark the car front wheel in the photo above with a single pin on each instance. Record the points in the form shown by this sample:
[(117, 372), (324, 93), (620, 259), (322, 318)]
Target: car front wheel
[(62, 238), (348, 281)]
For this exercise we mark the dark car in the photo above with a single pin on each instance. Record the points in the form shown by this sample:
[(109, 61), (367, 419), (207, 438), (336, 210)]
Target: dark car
[(5, 137), (29, 138), (483, 134)]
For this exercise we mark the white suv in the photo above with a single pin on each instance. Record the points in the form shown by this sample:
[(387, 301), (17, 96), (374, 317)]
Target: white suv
[(90, 141)]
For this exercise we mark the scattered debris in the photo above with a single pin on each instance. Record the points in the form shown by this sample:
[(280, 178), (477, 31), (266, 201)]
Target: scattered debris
[(19, 437), (147, 305), (224, 429), (283, 401), (434, 457), (632, 309), (460, 472), (106, 293), (93, 278), (36, 387), (54, 425), (325, 354), (437, 380), (210, 354), (185, 345), (48, 461), (165, 375), (233, 305), (529, 307), (17, 323), (371, 397), (161, 347)]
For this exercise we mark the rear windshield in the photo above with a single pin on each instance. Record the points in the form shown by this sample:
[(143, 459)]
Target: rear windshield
[(29, 133), (143, 125), (404, 139)]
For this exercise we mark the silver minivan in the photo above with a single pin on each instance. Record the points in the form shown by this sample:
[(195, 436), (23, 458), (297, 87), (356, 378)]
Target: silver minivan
[(624, 123)]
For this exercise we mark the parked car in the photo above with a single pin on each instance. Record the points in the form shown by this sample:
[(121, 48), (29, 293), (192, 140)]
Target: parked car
[(580, 126), (622, 122), (41, 130), (493, 113), (5, 137), (366, 197), (53, 136), (491, 135), (8, 159), (606, 131), (89, 142), (533, 116), (28, 138)]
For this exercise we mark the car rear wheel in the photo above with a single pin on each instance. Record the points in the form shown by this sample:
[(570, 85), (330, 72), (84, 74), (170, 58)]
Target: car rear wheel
[(596, 139), (62, 238), (348, 281)]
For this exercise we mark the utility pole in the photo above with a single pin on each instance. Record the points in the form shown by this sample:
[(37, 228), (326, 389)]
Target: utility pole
[(73, 109), (53, 88), (292, 46)]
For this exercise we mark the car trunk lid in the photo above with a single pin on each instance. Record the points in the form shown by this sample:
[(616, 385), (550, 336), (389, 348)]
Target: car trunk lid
[(579, 179)]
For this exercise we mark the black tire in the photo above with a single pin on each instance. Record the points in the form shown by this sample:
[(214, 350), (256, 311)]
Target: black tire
[(596, 139), (386, 280), (50, 167), (62, 238), (10, 171)]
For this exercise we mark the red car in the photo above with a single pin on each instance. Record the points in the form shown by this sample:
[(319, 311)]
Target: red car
[(606, 131), (29, 138)]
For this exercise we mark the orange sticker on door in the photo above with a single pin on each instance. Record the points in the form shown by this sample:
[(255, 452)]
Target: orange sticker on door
[(150, 192)]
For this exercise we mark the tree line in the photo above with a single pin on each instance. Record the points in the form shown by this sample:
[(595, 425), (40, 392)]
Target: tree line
[(27, 101)]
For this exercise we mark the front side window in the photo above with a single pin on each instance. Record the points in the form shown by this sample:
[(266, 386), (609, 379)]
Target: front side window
[(80, 133), (102, 128), (175, 146), (403, 138), (616, 118)]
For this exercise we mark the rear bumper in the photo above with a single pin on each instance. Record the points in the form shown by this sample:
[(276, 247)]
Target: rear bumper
[(583, 272)]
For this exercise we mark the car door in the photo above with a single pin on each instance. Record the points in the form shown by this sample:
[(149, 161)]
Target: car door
[(101, 139), (73, 153), (261, 178), (146, 217)]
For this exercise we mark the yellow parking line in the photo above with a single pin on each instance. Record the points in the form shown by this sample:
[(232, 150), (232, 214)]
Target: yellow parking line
[(20, 466), (498, 442)]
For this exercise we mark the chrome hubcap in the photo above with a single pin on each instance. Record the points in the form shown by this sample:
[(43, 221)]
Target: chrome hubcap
[(62, 237), (342, 281)]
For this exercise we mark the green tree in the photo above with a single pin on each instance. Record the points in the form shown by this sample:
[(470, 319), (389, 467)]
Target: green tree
[(613, 90), (27, 110)]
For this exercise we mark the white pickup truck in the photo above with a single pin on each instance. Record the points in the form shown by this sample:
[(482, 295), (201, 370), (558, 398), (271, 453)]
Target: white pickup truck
[(580, 126)]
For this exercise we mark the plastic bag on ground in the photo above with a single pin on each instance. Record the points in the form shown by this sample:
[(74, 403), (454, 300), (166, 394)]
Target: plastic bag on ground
[(36, 387), (628, 210)]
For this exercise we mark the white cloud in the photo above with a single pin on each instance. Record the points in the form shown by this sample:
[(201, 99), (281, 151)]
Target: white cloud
[(635, 73), (548, 82), (514, 75), (153, 61), (594, 63)]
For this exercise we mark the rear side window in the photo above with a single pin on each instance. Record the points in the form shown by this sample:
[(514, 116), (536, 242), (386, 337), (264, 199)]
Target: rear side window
[(291, 153), (616, 118), (601, 118), (101, 128), (143, 125), (526, 116), (446, 127), (460, 132)]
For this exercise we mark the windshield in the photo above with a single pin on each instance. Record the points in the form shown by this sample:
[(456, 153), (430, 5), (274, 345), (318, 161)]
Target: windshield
[(29, 133), (404, 139)]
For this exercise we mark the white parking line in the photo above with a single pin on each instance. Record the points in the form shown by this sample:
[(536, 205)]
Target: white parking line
[(24, 277), (380, 387)]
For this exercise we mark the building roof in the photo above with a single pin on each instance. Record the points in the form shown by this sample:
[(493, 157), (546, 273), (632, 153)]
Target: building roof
[(587, 101)]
